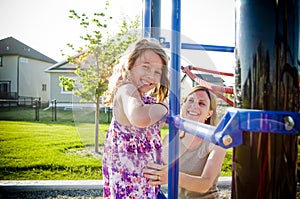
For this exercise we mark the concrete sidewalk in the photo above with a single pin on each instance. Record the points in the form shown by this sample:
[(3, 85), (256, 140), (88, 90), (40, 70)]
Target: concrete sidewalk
[(30, 185), (37, 185), (73, 189)]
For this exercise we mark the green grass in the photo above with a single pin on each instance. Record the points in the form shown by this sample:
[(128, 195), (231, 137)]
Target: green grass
[(47, 150), (43, 151)]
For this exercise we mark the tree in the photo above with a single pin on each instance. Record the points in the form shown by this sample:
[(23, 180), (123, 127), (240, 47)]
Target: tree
[(94, 62)]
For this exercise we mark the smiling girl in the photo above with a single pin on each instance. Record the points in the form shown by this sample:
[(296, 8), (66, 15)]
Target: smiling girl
[(133, 139)]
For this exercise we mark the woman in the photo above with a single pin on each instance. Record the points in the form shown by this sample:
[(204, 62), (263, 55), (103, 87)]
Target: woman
[(200, 161)]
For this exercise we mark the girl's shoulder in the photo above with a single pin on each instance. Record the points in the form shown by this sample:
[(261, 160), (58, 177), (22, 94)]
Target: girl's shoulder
[(126, 87)]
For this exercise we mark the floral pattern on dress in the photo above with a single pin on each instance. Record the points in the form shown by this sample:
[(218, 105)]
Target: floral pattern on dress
[(127, 150)]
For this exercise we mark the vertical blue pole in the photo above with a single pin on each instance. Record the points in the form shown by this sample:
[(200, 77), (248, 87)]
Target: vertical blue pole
[(155, 18), (147, 18), (174, 102)]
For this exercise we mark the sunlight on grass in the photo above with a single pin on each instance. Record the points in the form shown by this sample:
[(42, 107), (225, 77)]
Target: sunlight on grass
[(35, 150)]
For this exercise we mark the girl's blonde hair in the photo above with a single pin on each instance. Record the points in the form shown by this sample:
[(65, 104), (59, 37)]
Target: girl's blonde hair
[(213, 120), (121, 71)]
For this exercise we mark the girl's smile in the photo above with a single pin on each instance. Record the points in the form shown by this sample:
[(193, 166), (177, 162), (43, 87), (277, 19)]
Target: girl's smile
[(147, 70)]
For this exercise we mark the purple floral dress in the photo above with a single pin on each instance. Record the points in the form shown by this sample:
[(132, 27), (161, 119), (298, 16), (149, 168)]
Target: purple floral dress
[(127, 150)]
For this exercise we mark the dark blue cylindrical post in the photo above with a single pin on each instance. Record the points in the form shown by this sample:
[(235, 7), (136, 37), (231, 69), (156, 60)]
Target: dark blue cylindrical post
[(155, 18), (265, 165), (147, 18), (174, 102)]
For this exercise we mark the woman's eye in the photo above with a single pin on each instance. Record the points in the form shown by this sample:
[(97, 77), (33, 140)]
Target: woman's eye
[(146, 66), (190, 100)]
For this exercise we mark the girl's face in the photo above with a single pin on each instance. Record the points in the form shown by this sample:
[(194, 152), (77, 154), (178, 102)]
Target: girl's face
[(146, 71), (197, 106)]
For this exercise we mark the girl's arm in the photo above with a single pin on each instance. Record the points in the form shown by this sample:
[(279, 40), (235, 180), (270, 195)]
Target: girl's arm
[(137, 113)]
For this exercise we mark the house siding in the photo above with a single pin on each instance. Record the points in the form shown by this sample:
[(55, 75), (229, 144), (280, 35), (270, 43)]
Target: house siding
[(56, 90), (8, 71), (32, 77), (23, 70)]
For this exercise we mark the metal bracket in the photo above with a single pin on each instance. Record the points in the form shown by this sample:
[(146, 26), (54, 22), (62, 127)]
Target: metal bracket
[(228, 133)]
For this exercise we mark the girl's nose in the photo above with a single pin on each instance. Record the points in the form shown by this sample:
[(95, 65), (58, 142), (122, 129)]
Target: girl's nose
[(150, 74)]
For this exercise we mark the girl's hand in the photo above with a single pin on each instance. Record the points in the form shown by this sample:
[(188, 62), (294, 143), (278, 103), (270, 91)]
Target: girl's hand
[(156, 173)]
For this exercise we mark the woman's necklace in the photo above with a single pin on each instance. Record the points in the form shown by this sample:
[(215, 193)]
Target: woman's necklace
[(190, 141)]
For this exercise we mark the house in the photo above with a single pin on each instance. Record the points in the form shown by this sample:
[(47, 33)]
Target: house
[(22, 71), (187, 83), (63, 97)]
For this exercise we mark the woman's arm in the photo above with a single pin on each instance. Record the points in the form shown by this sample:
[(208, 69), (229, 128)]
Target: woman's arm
[(190, 182), (137, 113), (210, 172)]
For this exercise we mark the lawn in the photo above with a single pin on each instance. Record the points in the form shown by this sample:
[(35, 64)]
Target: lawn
[(51, 150)]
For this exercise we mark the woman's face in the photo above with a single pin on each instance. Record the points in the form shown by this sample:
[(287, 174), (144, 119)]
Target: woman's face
[(197, 106), (146, 71)]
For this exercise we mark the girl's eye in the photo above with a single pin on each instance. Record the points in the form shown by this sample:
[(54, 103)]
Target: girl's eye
[(158, 72)]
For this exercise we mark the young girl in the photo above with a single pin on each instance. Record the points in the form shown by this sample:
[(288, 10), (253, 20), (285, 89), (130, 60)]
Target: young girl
[(133, 139), (200, 161)]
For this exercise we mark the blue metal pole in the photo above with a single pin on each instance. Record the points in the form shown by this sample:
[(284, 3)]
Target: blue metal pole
[(207, 47), (174, 102), (155, 18), (189, 46), (147, 18)]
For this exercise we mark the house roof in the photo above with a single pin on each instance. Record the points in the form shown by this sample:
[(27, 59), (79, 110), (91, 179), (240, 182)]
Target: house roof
[(210, 78), (11, 46), (206, 77), (62, 66)]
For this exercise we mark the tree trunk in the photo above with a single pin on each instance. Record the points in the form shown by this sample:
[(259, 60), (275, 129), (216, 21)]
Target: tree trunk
[(97, 125)]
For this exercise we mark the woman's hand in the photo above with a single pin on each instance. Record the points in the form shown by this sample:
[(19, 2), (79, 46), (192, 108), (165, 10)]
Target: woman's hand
[(156, 173)]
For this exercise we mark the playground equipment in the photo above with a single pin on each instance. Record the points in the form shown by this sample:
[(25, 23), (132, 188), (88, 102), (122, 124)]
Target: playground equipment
[(263, 127)]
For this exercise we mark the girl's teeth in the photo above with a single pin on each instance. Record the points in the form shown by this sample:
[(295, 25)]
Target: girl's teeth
[(145, 83)]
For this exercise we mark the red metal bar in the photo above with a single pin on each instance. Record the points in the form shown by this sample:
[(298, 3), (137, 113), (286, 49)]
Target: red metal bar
[(217, 90)]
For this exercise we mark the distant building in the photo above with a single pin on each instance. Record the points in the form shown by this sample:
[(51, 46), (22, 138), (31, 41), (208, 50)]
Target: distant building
[(64, 98), (22, 71), (187, 83)]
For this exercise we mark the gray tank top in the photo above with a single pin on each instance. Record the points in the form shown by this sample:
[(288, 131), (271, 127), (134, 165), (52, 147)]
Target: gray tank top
[(192, 161)]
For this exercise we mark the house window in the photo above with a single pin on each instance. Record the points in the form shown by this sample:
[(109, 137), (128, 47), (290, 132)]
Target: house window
[(1, 64), (23, 60), (44, 87), (64, 91)]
